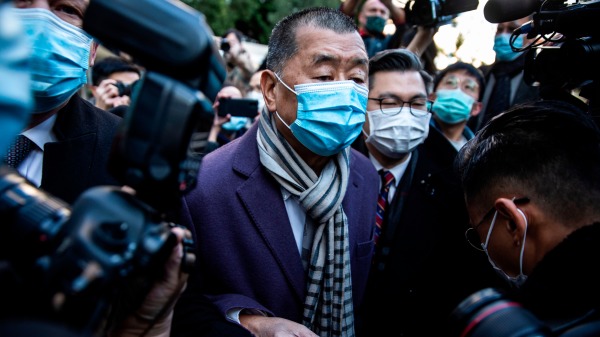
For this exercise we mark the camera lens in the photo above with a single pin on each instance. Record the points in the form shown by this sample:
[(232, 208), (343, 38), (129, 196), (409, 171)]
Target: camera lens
[(489, 313), (225, 45)]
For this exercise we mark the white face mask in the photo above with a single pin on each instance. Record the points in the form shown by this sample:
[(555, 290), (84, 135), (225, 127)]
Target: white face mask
[(396, 135), (515, 281)]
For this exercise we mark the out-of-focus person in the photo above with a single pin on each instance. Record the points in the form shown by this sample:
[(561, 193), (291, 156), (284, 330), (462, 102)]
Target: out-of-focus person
[(238, 60), (372, 17), (457, 92), (505, 85), (113, 79)]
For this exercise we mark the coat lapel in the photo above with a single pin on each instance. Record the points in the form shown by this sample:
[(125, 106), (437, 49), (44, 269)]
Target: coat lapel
[(263, 201)]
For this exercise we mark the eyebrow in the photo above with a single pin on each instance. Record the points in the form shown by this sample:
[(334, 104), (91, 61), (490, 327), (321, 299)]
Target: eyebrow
[(415, 96), (326, 58)]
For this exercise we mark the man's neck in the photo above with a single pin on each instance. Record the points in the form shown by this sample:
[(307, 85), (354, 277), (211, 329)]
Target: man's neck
[(39, 118), (453, 132)]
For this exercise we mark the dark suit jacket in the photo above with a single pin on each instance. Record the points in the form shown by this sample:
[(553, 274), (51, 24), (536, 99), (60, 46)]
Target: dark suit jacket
[(78, 160), (429, 266), (247, 255)]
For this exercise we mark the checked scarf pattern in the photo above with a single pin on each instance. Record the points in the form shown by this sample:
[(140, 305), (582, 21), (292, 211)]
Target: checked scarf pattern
[(328, 307)]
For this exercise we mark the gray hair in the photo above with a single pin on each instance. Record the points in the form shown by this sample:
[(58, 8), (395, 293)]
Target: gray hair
[(282, 44)]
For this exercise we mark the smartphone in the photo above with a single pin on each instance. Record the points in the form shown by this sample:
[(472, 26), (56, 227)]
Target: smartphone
[(242, 107)]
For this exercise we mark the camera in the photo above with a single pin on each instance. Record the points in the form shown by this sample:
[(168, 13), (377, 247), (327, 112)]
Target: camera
[(492, 313), (431, 13), (78, 264), (125, 89), (225, 46), (565, 49), (77, 257)]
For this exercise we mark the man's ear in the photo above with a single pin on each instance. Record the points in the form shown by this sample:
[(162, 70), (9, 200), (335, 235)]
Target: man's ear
[(93, 51), (517, 222), (432, 96), (476, 109), (268, 82)]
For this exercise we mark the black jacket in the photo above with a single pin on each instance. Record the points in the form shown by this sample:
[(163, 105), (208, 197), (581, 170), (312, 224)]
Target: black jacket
[(430, 266), (565, 284), (78, 160)]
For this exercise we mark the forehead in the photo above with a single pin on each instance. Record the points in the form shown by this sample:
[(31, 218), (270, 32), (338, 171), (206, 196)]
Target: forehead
[(326, 46), (461, 74), (372, 5), (230, 90), (70, 11), (403, 84)]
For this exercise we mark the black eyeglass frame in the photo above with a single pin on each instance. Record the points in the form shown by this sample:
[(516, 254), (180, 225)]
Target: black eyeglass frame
[(428, 106), (516, 201)]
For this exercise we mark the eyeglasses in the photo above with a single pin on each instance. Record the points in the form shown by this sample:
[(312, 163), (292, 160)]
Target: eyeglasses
[(468, 85), (418, 107), (471, 232)]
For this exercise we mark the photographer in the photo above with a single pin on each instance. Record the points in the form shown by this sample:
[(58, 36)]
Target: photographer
[(50, 27), (532, 187), (239, 62), (112, 81)]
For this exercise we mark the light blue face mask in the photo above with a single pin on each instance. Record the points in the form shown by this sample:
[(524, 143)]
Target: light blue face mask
[(502, 47), (15, 98), (452, 106), (236, 123), (330, 115), (59, 57)]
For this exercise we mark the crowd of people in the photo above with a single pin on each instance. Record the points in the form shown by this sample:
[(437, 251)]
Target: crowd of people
[(368, 195)]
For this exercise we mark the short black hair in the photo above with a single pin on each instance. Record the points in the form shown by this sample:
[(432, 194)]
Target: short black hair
[(468, 68), (236, 32), (548, 150), (397, 60), (282, 43), (110, 65)]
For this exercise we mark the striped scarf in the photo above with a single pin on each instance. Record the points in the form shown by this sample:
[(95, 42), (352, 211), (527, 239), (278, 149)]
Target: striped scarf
[(328, 308)]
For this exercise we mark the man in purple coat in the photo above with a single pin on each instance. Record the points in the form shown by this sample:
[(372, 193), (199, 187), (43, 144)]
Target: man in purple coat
[(283, 216)]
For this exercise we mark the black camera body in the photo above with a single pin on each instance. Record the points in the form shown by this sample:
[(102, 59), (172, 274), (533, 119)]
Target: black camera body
[(78, 257), (225, 46), (71, 264), (124, 88), (431, 13), (572, 54)]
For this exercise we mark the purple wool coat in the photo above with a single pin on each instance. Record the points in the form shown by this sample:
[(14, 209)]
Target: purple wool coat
[(247, 255)]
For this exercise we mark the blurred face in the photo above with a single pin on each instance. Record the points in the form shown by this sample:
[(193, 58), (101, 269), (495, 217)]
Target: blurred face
[(509, 26), (70, 11), (255, 81), (460, 79), (373, 8), (323, 56)]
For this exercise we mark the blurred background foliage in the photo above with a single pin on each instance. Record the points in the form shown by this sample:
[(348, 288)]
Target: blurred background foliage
[(254, 18)]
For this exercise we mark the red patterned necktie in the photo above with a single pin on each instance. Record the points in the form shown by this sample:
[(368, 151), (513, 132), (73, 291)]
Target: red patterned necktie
[(387, 178), (19, 151)]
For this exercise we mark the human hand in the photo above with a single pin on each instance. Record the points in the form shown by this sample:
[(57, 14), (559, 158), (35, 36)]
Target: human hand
[(153, 318), (107, 95), (262, 326)]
